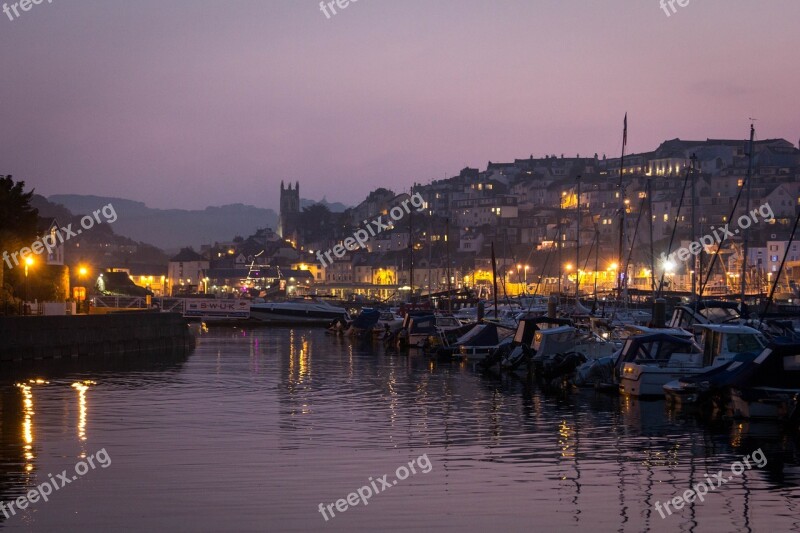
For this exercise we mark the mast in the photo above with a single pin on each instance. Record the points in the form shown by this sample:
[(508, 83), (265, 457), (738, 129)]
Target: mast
[(447, 270), (596, 264), (559, 243), (694, 226), (747, 210), (411, 249), (494, 279), (621, 192), (430, 255), (578, 245), (649, 193)]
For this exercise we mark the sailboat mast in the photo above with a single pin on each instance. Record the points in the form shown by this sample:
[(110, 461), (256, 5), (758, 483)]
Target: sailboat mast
[(695, 271), (649, 193), (747, 210), (578, 244), (411, 250), (621, 192), (447, 258), (494, 279)]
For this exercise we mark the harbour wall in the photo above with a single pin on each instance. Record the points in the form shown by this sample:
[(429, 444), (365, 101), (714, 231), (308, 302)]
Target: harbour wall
[(48, 337)]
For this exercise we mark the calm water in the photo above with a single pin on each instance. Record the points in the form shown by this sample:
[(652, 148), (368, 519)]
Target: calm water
[(255, 429)]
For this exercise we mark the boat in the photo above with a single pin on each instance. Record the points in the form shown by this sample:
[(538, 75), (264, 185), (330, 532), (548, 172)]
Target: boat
[(421, 328), (389, 323), (648, 371), (705, 312), (648, 361), (481, 340), (722, 345), (515, 354), (559, 351), (364, 322), (769, 386), (300, 311)]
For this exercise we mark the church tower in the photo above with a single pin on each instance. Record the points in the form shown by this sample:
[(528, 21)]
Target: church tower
[(290, 211)]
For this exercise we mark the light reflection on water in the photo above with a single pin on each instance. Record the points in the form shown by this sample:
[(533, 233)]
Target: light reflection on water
[(257, 427)]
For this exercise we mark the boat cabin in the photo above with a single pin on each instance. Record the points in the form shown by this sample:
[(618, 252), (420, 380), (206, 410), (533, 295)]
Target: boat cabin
[(660, 349), (704, 312), (723, 342), (528, 327)]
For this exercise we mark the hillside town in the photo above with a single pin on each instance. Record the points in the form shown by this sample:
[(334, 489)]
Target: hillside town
[(553, 220)]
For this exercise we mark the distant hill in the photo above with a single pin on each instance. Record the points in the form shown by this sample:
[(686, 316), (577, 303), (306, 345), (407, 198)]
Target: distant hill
[(335, 207), (102, 247), (171, 229)]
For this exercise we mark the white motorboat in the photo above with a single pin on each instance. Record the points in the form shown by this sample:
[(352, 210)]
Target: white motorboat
[(298, 312), (651, 361)]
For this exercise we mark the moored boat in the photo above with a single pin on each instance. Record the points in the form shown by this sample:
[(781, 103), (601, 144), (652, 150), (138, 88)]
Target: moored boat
[(307, 312)]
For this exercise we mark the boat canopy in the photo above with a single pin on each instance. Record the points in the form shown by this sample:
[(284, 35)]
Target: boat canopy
[(528, 327), (555, 340), (656, 347), (422, 325), (480, 335)]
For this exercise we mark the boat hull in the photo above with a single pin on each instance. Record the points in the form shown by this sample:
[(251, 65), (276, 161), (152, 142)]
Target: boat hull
[(764, 403), (279, 315), (642, 380)]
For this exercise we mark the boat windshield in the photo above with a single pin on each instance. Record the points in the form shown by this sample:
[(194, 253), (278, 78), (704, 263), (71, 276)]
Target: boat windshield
[(717, 315), (659, 350), (743, 342), (447, 322), (563, 341)]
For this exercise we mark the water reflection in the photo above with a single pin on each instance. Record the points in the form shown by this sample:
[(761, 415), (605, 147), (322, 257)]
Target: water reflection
[(300, 416), (26, 390), (632, 453), (33, 396), (82, 387)]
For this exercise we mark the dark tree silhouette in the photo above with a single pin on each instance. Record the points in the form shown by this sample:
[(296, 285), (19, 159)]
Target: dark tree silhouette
[(18, 220)]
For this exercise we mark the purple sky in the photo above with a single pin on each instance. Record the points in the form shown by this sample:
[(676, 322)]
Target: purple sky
[(186, 103)]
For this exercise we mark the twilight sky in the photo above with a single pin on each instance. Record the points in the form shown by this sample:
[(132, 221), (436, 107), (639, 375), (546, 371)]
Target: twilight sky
[(188, 103)]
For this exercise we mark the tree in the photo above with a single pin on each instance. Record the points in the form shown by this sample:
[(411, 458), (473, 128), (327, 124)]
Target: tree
[(18, 220), (315, 224)]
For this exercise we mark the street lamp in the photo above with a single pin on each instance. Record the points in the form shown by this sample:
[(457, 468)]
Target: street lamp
[(28, 263), (83, 271), (568, 269)]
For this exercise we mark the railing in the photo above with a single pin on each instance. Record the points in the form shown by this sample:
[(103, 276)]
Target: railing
[(174, 305)]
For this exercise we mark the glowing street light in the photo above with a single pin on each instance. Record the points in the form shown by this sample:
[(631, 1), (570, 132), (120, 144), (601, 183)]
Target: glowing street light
[(29, 262)]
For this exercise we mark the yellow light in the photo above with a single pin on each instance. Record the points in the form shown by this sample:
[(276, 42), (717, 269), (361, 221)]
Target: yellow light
[(568, 267), (614, 266), (29, 260), (82, 387), (82, 271)]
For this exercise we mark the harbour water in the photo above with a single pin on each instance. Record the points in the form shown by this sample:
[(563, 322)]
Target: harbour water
[(256, 428)]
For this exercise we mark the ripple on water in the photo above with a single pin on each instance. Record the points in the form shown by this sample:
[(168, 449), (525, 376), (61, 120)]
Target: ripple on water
[(257, 427)]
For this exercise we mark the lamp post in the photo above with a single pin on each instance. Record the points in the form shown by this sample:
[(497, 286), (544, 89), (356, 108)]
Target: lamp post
[(82, 273), (28, 263), (568, 269)]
